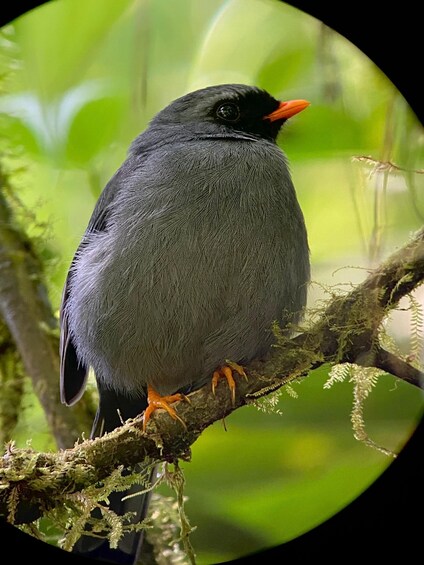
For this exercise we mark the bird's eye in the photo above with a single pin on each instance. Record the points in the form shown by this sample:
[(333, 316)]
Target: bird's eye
[(228, 112)]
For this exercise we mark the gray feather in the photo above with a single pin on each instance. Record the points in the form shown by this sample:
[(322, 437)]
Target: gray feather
[(205, 247)]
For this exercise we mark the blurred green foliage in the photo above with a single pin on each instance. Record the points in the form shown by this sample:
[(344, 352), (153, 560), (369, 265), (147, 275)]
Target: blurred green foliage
[(81, 79)]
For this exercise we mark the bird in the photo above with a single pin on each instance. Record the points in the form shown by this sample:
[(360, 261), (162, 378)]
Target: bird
[(195, 247)]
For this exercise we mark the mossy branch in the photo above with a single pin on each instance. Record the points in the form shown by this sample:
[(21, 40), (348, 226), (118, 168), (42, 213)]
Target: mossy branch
[(347, 331), (26, 317)]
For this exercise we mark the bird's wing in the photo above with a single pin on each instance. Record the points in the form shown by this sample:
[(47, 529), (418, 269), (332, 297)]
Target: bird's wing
[(73, 373)]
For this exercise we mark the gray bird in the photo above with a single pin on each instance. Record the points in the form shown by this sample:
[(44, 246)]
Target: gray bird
[(195, 247)]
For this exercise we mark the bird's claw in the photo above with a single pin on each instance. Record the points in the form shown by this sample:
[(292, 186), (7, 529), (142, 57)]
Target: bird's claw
[(155, 402), (226, 371)]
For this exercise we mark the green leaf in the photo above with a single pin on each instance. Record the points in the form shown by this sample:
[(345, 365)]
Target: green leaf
[(59, 40)]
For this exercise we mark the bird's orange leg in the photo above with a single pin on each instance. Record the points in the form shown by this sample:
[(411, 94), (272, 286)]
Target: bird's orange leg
[(226, 371), (155, 401)]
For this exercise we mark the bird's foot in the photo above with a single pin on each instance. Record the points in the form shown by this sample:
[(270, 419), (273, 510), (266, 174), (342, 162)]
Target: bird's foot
[(155, 401), (226, 372)]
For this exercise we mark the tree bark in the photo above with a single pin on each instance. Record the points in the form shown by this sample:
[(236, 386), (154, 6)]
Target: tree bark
[(27, 313)]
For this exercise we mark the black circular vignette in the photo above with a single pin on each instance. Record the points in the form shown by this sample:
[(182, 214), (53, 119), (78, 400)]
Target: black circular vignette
[(391, 38), (12, 10), (382, 521)]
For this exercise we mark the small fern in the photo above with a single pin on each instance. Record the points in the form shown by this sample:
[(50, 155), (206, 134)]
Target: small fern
[(417, 329), (269, 403), (364, 380), (386, 340), (115, 524), (338, 374), (176, 480)]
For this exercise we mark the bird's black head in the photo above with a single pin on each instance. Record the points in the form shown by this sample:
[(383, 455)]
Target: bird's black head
[(229, 111)]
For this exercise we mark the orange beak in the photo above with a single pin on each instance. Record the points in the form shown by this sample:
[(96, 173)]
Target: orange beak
[(287, 109)]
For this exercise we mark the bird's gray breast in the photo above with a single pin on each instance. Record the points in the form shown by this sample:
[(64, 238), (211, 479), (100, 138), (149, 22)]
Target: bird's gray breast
[(204, 249)]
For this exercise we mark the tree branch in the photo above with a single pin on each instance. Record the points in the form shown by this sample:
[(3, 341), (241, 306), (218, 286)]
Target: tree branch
[(345, 332), (28, 315), (386, 361)]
